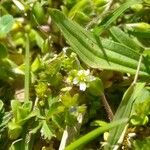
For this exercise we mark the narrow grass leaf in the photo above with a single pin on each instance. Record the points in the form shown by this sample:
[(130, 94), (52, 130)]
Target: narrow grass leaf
[(123, 38), (124, 111), (119, 11), (94, 134), (141, 34)]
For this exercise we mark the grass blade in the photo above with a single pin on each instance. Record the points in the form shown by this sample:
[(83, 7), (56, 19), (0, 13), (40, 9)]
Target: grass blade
[(123, 38), (119, 11), (124, 110), (93, 134)]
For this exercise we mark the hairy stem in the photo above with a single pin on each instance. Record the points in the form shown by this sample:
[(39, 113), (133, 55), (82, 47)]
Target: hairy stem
[(107, 107)]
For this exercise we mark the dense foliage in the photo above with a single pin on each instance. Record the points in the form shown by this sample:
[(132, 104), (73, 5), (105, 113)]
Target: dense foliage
[(74, 74)]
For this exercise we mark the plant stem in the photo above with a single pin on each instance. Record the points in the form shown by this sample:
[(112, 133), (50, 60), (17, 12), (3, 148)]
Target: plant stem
[(107, 107), (138, 69), (27, 69)]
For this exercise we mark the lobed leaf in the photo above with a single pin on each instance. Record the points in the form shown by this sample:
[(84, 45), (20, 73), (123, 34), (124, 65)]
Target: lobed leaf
[(46, 131)]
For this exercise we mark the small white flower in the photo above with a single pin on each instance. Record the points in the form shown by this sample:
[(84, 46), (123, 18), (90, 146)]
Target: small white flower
[(82, 86), (81, 78), (87, 72)]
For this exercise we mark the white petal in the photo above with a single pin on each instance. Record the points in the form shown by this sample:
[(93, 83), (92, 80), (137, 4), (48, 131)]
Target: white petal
[(87, 72), (91, 78), (82, 86), (65, 49), (80, 72), (75, 81)]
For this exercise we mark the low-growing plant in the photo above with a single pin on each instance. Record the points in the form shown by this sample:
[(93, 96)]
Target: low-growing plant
[(72, 72)]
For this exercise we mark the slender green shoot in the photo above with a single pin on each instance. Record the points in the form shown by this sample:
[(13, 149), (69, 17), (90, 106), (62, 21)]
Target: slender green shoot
[(94, 134), (27, 69)]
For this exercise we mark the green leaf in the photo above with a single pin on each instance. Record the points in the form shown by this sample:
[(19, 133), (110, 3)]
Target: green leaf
[(94, 134), (69, 100), (37, 38), (55, 108), (78, 7), (46, 131), (123, 38), (16, 145), (96, 87), (6, 23), (119, 11), (124, 111), (38, 12), (54, 66), (3, 51), (14, 130), (142, 144), (112, 56), (21, 113), (1, 106), (36, 64), (141, 34), (141, 108), (15, 104)]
